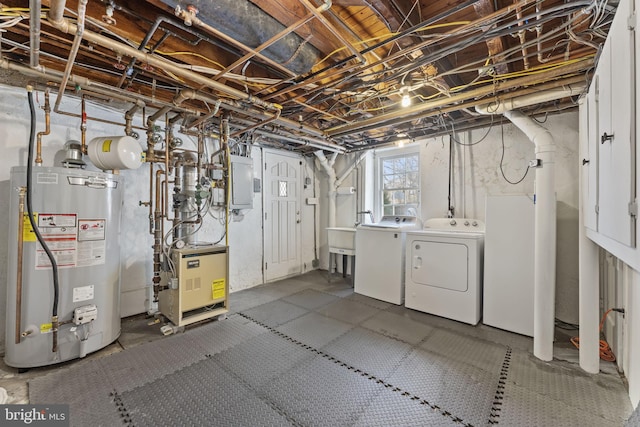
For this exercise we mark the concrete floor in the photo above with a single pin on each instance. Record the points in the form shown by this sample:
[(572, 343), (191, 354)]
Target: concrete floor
[(295, 294)]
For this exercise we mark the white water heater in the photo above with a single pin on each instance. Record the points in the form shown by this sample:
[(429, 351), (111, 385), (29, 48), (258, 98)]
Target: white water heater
[(78, 214)]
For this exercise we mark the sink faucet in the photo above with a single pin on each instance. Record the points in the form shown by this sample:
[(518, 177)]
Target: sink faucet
[(366, 212)]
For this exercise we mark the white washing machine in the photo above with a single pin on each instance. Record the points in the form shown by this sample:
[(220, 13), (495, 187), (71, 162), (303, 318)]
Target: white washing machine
[(380, 257), (444, 269)]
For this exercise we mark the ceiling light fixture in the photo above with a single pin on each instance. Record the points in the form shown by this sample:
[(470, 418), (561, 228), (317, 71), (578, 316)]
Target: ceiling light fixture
[(406, 99)]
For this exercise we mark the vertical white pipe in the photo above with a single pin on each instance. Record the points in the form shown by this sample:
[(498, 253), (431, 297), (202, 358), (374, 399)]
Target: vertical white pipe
[(328, 168), (588, 276), (545, 235)]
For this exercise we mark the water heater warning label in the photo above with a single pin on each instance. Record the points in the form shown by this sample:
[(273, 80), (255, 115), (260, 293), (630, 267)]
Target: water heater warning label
[(59, 233), (28, 235), (92, 249)]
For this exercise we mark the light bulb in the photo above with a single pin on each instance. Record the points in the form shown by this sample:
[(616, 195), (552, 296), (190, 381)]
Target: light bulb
[(406, 100)]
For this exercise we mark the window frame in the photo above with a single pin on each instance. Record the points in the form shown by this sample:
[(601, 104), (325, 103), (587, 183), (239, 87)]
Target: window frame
[(380, 156)]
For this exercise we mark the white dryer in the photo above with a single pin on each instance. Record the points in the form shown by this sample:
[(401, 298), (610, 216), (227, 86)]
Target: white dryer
[(444, 269), (380, 257)]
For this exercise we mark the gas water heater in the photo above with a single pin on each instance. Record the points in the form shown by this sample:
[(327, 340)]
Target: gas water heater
[(78, 215)]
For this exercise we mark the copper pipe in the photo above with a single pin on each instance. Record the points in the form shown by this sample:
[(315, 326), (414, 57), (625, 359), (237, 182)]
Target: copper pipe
[(256, 125), (21, 197), (160, 62), (167, 154), (47, 131), (157, 236), (83, 128)]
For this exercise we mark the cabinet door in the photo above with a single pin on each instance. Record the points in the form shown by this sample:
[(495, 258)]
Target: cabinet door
[(615, 162), (589, 112)]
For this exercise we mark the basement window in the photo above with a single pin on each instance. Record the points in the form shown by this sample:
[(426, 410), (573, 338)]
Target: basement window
[(399, 182)]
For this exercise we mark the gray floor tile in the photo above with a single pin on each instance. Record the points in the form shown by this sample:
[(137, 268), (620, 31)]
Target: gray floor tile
[(595, 394), (368, 351), (399, 327), (319, 392), (262, 358), (376, 303), (348, 311), (525, 408), (460, 389), (275, 313), (198, 395), (393, 409), (310, 299), (314, 329), (462, 348)]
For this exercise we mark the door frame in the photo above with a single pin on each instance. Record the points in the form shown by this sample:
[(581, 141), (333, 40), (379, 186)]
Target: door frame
[(267, 152)]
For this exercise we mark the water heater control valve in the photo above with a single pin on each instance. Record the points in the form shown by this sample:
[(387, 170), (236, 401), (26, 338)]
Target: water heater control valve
[(85, 314)]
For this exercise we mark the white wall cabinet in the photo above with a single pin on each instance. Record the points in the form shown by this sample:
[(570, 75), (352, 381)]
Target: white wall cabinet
[(610, 200)]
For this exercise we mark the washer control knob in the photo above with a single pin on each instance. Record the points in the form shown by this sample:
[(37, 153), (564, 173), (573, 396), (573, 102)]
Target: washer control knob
[(453, 222), (466, 223), (474, 223)]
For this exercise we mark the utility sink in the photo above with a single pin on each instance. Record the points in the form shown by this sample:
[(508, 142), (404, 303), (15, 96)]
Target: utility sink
[(342, 240)]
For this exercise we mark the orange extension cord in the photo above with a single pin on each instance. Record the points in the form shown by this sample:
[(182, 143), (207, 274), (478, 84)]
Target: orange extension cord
[(605, 351)]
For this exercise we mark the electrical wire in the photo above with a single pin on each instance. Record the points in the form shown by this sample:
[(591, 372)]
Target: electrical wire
[(470, 144), (606, 353), (502, 159)]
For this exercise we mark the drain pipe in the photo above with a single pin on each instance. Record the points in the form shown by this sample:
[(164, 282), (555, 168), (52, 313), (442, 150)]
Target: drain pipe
[(327, 165), (545, 234)]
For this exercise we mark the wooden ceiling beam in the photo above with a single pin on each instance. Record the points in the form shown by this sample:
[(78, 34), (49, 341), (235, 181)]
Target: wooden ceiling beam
[(495, 46)]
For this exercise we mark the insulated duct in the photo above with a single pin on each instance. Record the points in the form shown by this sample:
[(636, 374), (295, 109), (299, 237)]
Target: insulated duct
[(248, 24)]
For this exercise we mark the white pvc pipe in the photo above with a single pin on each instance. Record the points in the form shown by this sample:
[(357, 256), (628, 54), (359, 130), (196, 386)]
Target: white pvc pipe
[(589, 280), (589, 294), (501, 107), (328, 168), (545, 234)]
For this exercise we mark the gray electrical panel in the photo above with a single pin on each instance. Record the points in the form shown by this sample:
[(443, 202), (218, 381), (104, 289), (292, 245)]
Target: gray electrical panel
[(241, 182)]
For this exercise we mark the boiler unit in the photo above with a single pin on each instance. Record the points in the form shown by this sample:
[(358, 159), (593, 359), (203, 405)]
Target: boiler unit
[(78, 215), (200, 288)]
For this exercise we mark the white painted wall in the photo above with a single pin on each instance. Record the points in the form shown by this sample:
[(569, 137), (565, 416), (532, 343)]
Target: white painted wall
[(477, 174), (245, 241)]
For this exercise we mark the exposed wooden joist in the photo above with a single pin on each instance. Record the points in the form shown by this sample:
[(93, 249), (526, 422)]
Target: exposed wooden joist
[(495, 45)]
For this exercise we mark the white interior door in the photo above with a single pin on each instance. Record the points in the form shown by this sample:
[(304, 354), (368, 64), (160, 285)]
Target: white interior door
[(282, 178)]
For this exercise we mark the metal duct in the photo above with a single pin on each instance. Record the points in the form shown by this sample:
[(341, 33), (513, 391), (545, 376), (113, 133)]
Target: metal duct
[(247, 23)]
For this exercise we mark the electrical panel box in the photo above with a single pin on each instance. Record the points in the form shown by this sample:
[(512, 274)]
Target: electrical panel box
[(203, 285), (241, 183)]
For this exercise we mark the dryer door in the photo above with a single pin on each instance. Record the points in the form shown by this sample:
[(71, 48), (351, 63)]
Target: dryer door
[(440, 264)]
